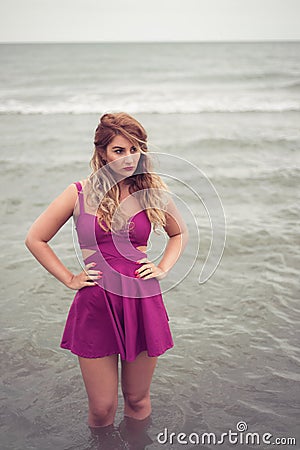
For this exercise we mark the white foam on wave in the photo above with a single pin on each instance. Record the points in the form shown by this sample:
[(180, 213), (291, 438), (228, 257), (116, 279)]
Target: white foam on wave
[(168, 106)]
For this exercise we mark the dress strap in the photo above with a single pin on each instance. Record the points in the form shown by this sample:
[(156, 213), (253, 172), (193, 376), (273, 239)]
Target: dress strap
[(80, 196)]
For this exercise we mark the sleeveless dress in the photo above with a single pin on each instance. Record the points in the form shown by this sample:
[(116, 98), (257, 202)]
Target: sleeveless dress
[(121, 314)]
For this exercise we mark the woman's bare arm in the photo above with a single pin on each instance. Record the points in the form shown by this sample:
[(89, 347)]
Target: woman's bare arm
[(44, 228)]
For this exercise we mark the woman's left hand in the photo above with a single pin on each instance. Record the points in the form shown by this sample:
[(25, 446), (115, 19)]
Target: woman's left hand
[(149, 270)]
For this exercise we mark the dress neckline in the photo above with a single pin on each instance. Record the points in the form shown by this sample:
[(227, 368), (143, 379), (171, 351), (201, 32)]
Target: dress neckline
[(93, 215), (103, 221)]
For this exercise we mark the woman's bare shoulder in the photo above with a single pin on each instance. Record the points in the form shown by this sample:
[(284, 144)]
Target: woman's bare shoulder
[(83, 182)]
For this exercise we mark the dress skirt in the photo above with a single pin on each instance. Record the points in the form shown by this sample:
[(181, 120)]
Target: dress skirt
[(101, 322)]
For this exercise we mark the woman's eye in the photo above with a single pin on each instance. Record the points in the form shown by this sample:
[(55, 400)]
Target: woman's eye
[(120, 150)]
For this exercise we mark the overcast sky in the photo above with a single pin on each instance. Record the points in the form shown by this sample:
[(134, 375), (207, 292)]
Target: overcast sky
[(148, 20)]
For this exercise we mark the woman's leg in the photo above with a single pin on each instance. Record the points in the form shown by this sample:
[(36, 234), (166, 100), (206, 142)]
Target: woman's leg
[(136, 380), (134, 432), (100, 376)]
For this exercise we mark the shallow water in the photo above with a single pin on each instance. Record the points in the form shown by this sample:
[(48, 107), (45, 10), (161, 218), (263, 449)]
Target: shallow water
[(236, 354)]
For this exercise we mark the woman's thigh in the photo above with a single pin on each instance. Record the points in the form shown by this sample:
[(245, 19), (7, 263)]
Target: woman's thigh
[(100, 376), (137, 375)]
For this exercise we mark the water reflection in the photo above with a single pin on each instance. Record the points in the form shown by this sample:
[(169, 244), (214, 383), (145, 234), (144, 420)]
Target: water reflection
[(131, 434)]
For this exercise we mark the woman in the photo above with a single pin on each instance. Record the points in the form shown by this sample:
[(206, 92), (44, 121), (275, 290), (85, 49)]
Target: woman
[(118, 308)]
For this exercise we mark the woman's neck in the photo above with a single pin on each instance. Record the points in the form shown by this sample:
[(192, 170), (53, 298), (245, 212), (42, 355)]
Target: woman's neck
[(124, 189)]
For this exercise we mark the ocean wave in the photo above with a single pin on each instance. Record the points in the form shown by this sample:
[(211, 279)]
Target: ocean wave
[(268, 180), (238, 142), (181, 106), (294, 86), (287, 175)]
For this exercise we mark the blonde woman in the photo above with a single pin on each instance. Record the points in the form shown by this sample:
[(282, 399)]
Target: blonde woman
[(118, 310)]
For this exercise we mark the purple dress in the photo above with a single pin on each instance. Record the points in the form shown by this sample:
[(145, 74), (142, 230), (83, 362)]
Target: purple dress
[(121, 314)]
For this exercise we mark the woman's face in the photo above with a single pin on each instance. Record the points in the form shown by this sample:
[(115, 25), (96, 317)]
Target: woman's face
[(122, 156)]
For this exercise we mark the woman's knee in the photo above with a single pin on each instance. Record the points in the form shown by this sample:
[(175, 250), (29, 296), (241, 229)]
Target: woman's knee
[(137, 402), (103, 412)]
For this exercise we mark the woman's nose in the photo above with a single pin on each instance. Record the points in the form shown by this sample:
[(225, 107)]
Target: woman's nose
[(128, 158)]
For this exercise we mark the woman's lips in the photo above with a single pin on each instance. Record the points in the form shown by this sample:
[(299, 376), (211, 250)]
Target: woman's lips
[(129, 168)]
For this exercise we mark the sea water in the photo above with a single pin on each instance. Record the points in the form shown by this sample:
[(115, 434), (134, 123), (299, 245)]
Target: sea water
[(230, 111)]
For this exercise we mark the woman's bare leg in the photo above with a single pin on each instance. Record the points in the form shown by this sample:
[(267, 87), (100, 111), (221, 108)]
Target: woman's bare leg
[(136, 380), (100, 376)]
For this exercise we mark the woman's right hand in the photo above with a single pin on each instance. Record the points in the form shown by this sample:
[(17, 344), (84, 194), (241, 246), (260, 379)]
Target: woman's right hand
[(85, 278)]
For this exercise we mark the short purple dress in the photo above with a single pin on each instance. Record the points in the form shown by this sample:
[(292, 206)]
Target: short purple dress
[(122, 314)]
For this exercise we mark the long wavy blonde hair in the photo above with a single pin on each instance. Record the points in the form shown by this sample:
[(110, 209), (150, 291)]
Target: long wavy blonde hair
[(103, 190)]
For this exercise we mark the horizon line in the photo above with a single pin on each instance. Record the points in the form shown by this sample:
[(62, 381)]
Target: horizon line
[(155, 42)]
